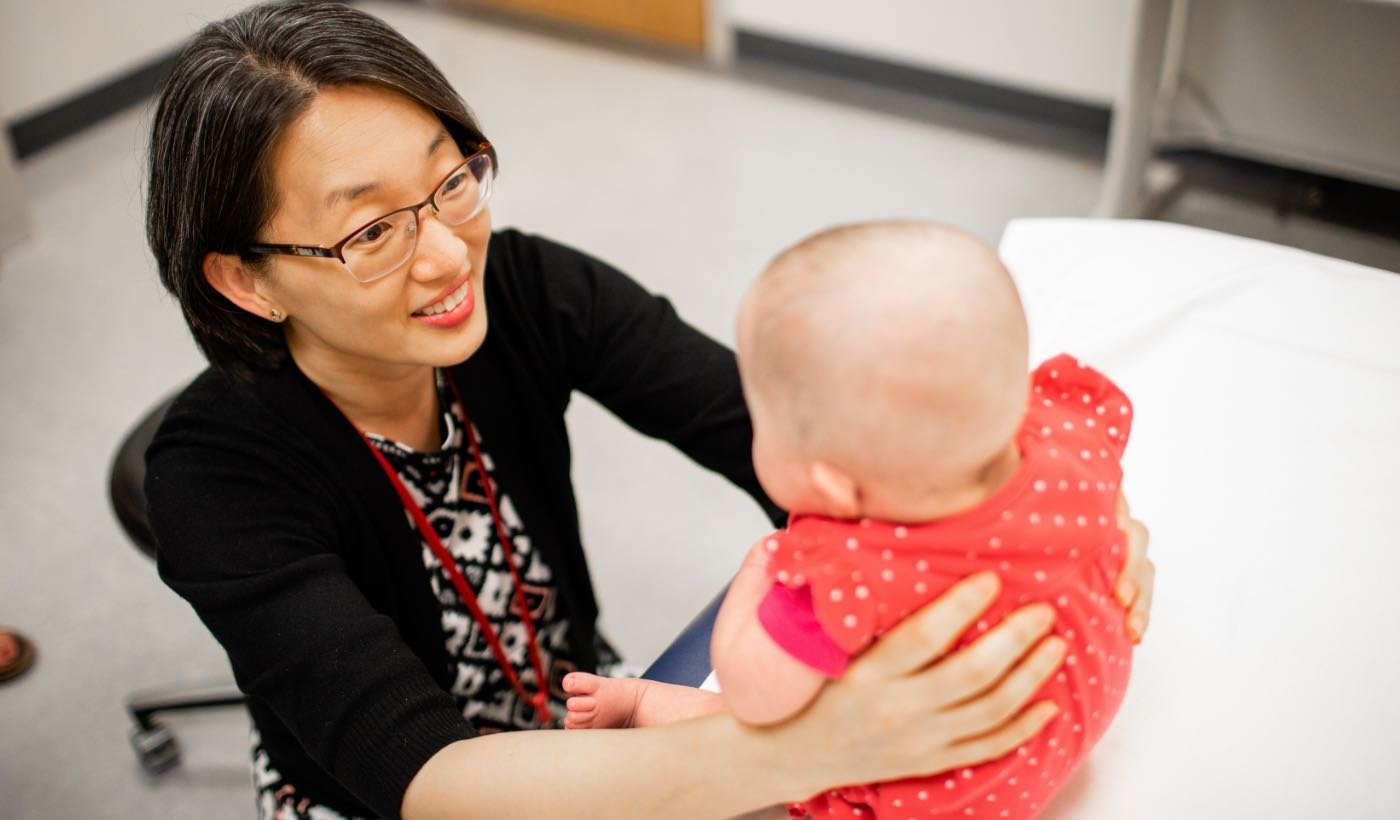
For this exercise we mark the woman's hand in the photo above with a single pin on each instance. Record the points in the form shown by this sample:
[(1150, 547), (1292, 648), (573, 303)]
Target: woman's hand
[(903, 709), (1134, 587)]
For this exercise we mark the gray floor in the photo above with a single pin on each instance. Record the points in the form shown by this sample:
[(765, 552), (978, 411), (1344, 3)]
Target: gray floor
[(686, 177)]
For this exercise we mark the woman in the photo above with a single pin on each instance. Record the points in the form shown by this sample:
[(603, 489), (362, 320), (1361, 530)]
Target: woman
[(318, 206)]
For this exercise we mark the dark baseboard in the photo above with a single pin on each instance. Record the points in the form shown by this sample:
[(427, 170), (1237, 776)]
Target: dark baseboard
[(926, 82), (52, 125)]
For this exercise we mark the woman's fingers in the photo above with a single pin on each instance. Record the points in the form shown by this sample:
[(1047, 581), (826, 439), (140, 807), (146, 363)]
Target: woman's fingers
[(1002, 741), (926, 635), (1127, 586), (977, 717), (979, 665), (1142, 607), (1133, 588)]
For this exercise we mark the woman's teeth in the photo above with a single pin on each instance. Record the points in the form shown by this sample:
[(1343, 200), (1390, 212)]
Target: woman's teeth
[(450, 303)]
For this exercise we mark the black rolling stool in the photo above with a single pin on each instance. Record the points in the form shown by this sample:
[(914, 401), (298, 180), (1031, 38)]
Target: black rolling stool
[(153, 742)]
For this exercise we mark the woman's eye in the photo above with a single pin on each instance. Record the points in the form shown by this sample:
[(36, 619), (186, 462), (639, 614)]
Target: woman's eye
[(454, 183), (372, 234)]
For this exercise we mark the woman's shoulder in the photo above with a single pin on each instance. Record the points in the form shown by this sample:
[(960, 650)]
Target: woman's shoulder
[(523, 247), (518, 253), (562, 290), (273, 414), (211, 398), (256, 445), (215, 398), (532, 266)]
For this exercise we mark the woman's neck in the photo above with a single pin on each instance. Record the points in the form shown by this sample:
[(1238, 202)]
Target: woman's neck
[(397, 402)]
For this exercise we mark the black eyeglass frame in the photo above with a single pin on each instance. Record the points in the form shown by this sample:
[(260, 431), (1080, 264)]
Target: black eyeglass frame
[(336, 251)]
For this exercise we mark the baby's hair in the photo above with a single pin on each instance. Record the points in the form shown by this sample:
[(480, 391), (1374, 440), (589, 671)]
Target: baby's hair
[(886, 344)]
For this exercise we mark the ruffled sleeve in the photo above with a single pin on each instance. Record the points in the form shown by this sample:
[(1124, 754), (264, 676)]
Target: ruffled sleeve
[(1107, 412), (839, 570)]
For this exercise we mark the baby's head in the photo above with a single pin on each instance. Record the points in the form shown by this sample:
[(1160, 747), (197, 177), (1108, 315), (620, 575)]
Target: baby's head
[(885, 367)]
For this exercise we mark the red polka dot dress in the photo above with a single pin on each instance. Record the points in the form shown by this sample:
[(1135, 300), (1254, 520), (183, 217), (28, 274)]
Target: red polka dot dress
[(1051, 533)]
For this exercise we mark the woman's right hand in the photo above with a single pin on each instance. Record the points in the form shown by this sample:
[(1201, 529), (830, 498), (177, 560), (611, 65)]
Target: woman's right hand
[(906, 707)]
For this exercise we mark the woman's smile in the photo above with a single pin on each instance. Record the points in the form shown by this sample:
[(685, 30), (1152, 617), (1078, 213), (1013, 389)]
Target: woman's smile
[(449, 309)]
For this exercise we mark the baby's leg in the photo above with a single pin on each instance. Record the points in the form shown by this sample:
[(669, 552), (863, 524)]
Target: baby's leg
[(620, 703)]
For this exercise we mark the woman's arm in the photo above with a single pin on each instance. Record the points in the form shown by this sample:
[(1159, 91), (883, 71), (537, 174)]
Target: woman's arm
[(892, 715), (629, 350), (245, 523)]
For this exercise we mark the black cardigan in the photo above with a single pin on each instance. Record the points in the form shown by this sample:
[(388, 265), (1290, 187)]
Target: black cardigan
[(276, 524)]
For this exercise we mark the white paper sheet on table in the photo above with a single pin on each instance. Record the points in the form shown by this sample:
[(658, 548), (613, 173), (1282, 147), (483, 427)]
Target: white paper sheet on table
[(1264, 459), (711, 683)]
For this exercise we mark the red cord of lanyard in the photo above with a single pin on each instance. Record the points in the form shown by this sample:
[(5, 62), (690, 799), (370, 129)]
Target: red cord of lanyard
[(540, 700)]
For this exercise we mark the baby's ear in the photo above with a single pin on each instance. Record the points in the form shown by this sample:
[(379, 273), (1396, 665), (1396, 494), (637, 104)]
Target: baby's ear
[(838, 492)]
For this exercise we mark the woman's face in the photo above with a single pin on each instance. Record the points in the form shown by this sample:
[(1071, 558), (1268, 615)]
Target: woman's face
[(356, 154)]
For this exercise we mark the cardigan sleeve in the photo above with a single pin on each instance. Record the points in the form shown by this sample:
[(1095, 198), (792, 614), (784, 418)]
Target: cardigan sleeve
[(629, 350), (243, 528)]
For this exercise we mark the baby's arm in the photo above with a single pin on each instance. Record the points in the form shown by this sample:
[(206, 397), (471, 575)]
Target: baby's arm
[(762, 683)]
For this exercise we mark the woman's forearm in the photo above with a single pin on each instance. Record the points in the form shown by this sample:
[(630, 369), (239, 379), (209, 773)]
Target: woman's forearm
[(710, 767)]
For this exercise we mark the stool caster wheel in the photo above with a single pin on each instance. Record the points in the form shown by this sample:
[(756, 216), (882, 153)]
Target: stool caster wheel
[(156, 749)]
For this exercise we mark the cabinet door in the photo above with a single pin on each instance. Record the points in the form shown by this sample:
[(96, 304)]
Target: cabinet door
[(675, 22)]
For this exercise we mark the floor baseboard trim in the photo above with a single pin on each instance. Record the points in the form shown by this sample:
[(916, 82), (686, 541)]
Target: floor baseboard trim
[(50, 126), (923, 81)]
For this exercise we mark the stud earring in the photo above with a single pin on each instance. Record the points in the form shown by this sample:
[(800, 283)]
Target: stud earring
[(276, 315)]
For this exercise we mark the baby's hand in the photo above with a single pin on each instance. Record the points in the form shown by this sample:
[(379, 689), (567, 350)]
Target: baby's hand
[(1134, 587)]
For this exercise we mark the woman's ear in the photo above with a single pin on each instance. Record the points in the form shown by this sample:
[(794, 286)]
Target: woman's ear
[(230, 275), (838, 491)]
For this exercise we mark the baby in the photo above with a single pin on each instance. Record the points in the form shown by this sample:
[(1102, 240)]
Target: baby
[(885, 369)]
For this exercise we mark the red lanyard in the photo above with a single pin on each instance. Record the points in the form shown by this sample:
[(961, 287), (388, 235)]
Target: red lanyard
[(540, 700)]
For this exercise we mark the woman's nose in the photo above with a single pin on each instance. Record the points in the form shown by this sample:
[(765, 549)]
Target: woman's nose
[(440, 251)]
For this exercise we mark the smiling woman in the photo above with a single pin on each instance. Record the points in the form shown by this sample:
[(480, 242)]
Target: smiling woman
[(319, 206)]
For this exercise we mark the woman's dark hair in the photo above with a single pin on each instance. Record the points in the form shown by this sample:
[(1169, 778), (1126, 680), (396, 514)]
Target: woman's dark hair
[(232, 92)]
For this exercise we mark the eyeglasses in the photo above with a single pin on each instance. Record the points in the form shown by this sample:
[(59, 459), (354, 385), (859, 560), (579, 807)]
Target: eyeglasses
[(377, 248)]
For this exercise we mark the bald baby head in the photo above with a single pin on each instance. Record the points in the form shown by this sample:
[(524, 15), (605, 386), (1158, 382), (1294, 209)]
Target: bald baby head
[(894, 350)]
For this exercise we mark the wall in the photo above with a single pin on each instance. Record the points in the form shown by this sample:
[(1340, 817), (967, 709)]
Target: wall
[(1070, 48), (52, 51), (1075, 49), (14, 220)]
